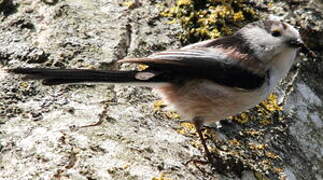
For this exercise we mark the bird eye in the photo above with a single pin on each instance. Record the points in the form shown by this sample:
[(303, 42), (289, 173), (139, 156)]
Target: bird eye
[(276, 33)]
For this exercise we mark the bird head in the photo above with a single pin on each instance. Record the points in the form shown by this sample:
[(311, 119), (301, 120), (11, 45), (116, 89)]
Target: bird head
[(271, 37)]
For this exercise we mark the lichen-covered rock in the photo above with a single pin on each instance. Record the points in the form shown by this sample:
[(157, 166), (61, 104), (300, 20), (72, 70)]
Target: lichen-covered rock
[(50, 132)]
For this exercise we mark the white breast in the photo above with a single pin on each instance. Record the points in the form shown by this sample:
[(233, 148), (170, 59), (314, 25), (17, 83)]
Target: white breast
[(280, 65)]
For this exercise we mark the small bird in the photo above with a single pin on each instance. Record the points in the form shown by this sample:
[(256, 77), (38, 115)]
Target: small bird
[(206, 81)]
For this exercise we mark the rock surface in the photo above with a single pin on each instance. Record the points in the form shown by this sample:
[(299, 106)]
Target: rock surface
[(45, 132)]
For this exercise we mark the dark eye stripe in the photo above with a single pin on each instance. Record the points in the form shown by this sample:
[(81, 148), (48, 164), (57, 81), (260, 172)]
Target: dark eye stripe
[(276, 33)]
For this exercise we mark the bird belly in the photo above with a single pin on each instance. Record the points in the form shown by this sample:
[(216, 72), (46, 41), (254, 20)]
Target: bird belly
[(210, 101)]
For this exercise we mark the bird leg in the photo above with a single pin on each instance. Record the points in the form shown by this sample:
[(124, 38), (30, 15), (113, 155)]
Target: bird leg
[(198, 123)]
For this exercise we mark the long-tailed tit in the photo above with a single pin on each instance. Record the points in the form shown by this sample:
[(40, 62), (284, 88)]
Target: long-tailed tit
[(206, 81)]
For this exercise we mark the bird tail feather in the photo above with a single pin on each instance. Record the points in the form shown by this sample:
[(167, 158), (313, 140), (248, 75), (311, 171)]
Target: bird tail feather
[(67, 76)]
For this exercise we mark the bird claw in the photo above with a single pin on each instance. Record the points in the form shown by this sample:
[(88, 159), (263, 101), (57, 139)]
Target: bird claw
[(196, 161)]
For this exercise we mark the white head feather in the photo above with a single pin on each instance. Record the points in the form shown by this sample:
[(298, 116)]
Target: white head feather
[(270, 37)]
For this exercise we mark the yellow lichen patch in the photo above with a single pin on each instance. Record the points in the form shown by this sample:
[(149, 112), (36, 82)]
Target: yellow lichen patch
[(126, 166), (158, 105), (278, 170), (234, 153), (263, 112), (210, 19), (266, 164), (197, 144), (271, 103), (253, 132), (265, 121), (24, 84), (238, 16), (183, 2), (129, 4), (254, 146), (234, 142), (188, 125), (181, 131), (241, 118), (142, 67), (172, 21), (270, 4), (224, 10), (186, 128), (271, 155), (213, 149), (172, 115), (161, 177)]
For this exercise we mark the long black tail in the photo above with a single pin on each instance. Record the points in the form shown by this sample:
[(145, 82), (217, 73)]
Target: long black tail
[(65, 76)]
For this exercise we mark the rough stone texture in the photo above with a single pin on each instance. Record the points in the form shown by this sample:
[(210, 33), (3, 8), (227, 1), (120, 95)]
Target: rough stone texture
[(305, 101), (41, 128)]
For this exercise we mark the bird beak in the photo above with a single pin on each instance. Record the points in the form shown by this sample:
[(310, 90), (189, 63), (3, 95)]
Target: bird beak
[(298, 43)]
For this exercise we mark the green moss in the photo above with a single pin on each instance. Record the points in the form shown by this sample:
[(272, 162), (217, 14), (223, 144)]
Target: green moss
[(205, 19)]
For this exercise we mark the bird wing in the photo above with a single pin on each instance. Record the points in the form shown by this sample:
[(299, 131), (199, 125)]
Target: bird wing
[(224, 65)]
